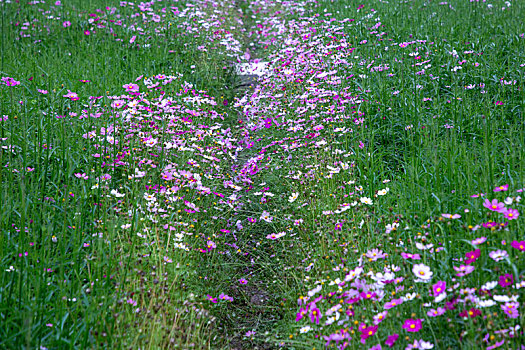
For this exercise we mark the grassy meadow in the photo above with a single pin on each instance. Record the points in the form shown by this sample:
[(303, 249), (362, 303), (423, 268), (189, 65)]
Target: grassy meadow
[(363, 193)]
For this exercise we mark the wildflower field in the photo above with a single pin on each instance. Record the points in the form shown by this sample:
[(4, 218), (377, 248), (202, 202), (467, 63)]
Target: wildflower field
[(262, 174)]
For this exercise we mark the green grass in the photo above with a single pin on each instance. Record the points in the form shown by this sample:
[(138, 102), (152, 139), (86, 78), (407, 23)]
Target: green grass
[(84, 267)]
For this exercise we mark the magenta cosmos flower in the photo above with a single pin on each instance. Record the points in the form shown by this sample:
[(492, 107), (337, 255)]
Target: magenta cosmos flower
[(412, 325), (506, 280), (518, 245), (391, 340), (472, 256), (368, 332), (315, 315), (439, 288)]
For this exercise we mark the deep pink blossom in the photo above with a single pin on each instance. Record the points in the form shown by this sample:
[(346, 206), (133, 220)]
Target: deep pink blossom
[(412, 325)]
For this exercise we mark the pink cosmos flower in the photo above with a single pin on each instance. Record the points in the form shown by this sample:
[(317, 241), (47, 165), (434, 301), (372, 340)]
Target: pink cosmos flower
[(494, 205), (71, 95), (479, 240), (223, 296), (511, 214), (118, 104), (502, 188), (375, 254), (393, 303), (473, 312), (511, 309), (410, 256), (436, 312), (131, 87), (380, 317), (412, 325), (464, 270), (496, 345), (66, 24), (302, 312)]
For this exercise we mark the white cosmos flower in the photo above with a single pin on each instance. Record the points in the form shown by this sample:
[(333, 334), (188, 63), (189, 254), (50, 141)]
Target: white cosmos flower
[(293, 197), (501, 298), (116, 194), (410, 296), (489, 285), (266, 216), (440, 297), (314, 291), (305, 329), (422, 271), (366, 200), (383, 192), (149, 197), (486, 303)]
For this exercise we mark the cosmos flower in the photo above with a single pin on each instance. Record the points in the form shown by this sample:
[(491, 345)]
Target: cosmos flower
[(131, 87), (518, 245), (368, 332), (422, 272), (506, 280), (412, 325), (501, 188), (510, 214), (410, 256), (380, 317), (375, 254), (266, 216), (472, 256), (498, 255), (511, 309), (479, 240), (473, 312), (494, 205), (464, 270), (393, 303), (391, 340), (436, 312), (439, 288), (315, 315), (293, 197)]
